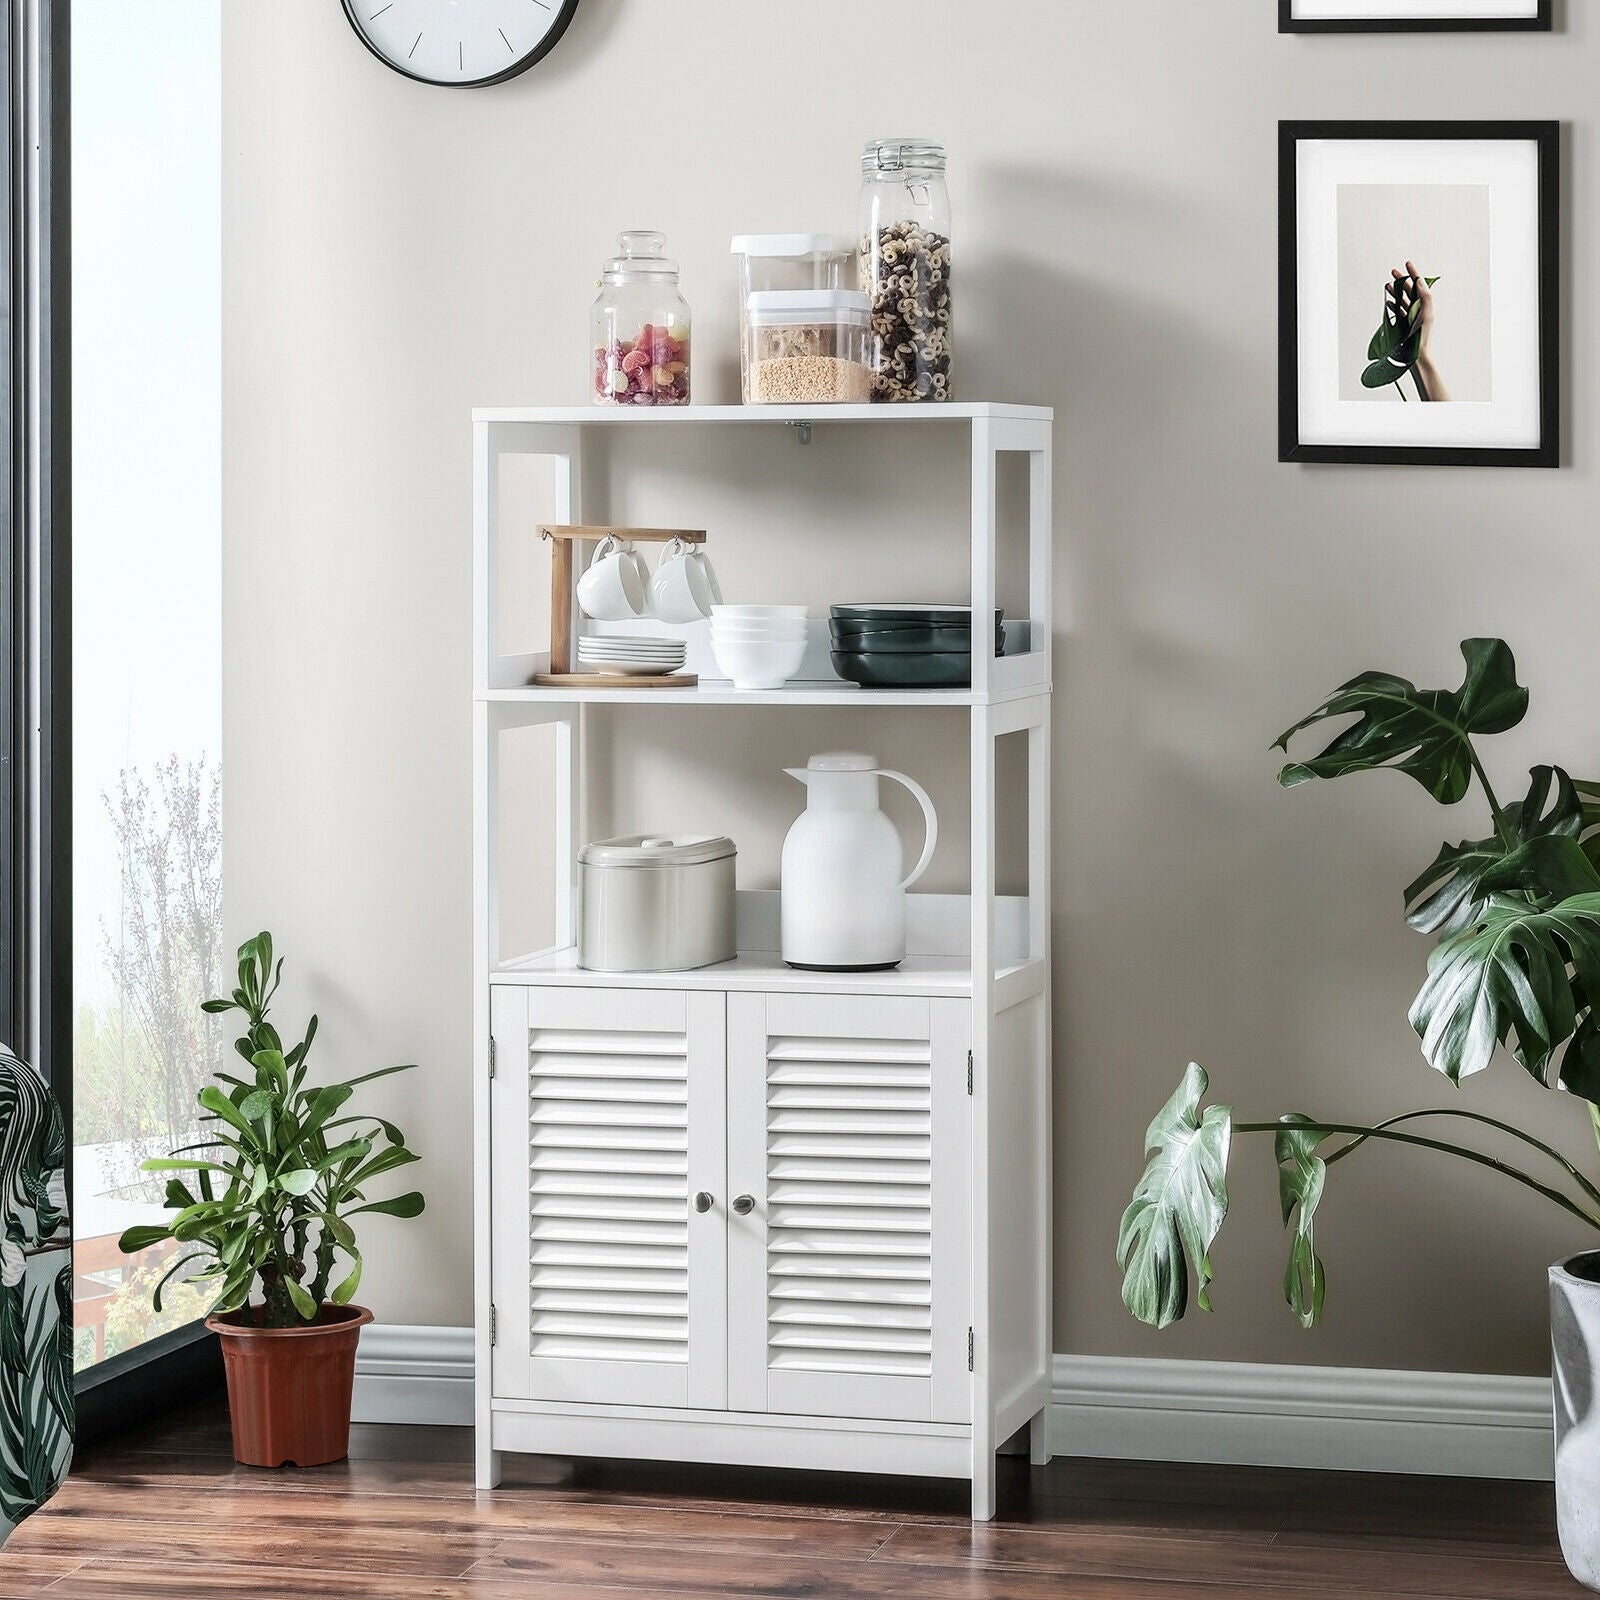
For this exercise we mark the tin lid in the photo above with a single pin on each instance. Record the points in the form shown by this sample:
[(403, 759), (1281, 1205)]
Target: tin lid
[(809, 305), (790, 245), (656, 850)]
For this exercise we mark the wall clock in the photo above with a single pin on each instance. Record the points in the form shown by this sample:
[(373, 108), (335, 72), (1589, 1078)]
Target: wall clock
[(460, 43)]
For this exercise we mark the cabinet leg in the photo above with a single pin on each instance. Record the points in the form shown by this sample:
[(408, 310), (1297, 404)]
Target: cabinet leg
[(486, 1463), (983, 1489), (1039, 1439)]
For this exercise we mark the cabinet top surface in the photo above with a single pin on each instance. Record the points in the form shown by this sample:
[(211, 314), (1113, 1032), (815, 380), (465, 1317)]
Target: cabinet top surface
[(622, 416)]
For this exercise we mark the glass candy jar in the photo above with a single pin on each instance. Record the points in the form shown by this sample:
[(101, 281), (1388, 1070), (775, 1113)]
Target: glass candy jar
[(905, 267), (641, 327)]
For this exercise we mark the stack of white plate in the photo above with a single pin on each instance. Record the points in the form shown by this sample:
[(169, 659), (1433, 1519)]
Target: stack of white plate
[(634, 656), (759, 647)]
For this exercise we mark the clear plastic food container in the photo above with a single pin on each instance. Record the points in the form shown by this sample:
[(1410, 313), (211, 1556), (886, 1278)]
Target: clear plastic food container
[(808, 347), (771, 262)]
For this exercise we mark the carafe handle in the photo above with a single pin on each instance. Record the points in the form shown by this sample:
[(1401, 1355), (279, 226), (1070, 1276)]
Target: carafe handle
[(930, 819)]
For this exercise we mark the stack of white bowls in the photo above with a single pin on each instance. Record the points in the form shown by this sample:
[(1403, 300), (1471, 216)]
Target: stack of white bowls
[(758, 647), (634, 655)]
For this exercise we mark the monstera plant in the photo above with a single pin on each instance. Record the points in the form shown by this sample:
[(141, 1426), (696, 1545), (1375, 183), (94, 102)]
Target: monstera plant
[(1516, 964)]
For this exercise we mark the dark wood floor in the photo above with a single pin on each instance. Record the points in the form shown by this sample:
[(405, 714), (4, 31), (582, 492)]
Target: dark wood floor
[(167, 1513)]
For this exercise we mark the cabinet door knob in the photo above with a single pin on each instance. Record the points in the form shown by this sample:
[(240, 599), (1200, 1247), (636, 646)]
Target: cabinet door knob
[(704, 1200), (744, 1205)]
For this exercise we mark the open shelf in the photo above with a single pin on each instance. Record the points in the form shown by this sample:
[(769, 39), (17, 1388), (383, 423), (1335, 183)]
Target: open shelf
[(724, 694), (657, 416), (762, 971)]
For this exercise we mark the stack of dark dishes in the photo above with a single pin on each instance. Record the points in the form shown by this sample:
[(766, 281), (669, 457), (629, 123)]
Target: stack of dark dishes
[(906, 646)]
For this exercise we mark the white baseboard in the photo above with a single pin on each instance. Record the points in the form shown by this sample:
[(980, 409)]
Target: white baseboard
[(1338, 1418), (414, 1374)]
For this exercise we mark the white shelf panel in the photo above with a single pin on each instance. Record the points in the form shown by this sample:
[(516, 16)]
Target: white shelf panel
[(654, 416), (762, 971), (714, 694)]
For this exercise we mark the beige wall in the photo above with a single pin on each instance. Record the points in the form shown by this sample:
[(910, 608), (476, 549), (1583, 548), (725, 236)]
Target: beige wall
[(395, 255)]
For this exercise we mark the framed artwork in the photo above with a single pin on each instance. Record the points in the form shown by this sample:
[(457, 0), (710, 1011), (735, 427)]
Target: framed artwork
[(1419, 293), (1415, 16)]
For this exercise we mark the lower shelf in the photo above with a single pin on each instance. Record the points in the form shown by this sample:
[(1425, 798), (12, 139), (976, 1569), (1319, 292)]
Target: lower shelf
[(928, 1450), (765, 971)]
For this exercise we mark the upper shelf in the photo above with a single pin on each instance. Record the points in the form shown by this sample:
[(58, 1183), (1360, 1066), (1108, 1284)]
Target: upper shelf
[(713, 693), (620, 416)]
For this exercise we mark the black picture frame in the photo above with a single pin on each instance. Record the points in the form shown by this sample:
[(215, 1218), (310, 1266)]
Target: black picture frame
[(1544, 22), (1546, 136)]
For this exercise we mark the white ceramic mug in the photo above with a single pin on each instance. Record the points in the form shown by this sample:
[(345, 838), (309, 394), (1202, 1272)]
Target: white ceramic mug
[(614, 588), (684, 588)]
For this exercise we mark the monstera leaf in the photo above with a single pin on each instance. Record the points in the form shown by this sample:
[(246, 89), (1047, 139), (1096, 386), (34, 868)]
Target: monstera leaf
[(1425, 733), (1580, 1066), (1301, 1175), (1451, 893), (1506, 979), (1396, 347), (1178, 1208)]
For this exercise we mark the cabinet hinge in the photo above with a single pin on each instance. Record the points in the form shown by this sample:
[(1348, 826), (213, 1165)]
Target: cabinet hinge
[(969, 1072), (493, 1062), (969, 1350), (494, 1327)]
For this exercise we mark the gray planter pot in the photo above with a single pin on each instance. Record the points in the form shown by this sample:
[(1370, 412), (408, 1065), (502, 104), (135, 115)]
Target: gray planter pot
[(1575, 1369)]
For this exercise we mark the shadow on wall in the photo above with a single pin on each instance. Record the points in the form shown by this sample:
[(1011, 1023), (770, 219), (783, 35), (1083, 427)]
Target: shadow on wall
[(587, 35)]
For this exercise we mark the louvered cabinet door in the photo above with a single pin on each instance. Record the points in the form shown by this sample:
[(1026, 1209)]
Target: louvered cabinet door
[(848, 1272), (609, 1118)]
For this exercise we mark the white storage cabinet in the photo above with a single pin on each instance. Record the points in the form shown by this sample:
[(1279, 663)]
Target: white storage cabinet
[(747, 1214)]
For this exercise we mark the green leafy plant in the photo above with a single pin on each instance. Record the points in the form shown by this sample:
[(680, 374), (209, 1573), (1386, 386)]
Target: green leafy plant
[(1396, 348), (279, 1173), (1516, 965)]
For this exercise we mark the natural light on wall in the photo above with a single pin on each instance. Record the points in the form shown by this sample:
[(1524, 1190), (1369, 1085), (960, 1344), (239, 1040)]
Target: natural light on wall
[(146, 623)]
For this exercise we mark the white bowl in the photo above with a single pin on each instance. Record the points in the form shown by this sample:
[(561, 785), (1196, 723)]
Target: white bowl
[(753, 665), (758, 613), (750, 633)]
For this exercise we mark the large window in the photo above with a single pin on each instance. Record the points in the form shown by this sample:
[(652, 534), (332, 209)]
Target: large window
[(146, 630)]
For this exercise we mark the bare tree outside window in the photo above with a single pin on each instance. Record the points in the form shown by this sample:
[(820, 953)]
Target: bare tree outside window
[(142, 1057)]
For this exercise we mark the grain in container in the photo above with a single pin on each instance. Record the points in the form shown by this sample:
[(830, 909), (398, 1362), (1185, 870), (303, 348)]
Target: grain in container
[(808, 347), (655, 903)]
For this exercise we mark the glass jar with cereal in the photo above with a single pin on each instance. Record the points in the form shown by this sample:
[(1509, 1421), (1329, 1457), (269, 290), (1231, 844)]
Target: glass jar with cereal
[(905, 267)]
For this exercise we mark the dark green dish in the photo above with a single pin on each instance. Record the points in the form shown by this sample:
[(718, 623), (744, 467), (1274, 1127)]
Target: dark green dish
[(909, 641), (890, 616), (873, 669)]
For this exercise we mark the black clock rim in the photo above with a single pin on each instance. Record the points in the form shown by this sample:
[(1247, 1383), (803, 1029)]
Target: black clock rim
[(569, 9)]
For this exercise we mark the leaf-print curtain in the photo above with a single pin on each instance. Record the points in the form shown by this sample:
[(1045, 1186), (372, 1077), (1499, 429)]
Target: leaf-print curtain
[(36, 1404)]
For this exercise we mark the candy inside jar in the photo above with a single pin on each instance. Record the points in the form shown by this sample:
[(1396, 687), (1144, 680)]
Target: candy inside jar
[(641, 327), (651, 368)]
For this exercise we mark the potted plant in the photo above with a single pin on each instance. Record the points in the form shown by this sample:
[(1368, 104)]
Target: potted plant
[(279, 1173), (1516, 964)]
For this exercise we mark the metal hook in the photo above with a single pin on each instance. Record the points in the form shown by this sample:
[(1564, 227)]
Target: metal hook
[(804, 430)]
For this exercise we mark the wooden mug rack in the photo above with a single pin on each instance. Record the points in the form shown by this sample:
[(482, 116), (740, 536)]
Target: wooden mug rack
[(563, 599)]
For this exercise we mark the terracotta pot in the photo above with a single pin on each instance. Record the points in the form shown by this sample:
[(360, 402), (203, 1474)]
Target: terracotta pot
[(289, 1388)]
